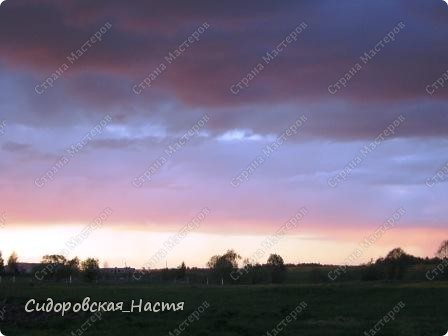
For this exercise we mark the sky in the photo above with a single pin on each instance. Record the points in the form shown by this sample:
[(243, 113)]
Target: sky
[(251, 110)]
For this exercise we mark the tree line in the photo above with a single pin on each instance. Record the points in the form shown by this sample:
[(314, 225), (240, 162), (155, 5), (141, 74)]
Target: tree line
[(229, 268), (53, 267)]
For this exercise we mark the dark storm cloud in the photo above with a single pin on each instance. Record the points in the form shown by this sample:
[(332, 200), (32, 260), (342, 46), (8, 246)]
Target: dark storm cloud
[(36, 37)]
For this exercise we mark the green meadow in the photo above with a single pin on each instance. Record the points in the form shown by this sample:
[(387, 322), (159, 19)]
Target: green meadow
[(345, 309)]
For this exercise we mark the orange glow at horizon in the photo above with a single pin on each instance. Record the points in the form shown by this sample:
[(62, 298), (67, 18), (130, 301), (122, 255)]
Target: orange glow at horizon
[(135, 248)]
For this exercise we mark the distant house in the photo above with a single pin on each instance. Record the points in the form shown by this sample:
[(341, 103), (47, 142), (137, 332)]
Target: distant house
[(117, 272), (24, 268)]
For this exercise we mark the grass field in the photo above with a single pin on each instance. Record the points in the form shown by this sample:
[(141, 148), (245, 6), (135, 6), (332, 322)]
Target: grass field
[(332, 309)]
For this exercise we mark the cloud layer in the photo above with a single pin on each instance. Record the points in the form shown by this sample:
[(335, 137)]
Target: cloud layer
[(405, 77)]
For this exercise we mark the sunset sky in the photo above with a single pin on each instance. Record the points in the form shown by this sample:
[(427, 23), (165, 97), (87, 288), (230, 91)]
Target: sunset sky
[(227, 126)]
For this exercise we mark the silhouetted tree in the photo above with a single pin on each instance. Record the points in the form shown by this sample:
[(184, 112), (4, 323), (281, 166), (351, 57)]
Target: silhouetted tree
[(277, 268), (222, 266), (372, 271), (442, 252), (73, 266), (255, 273), (55, 266), (397, 262), (54, 259), (90, 269), (13, 263), (182, 271), (2, 263)]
